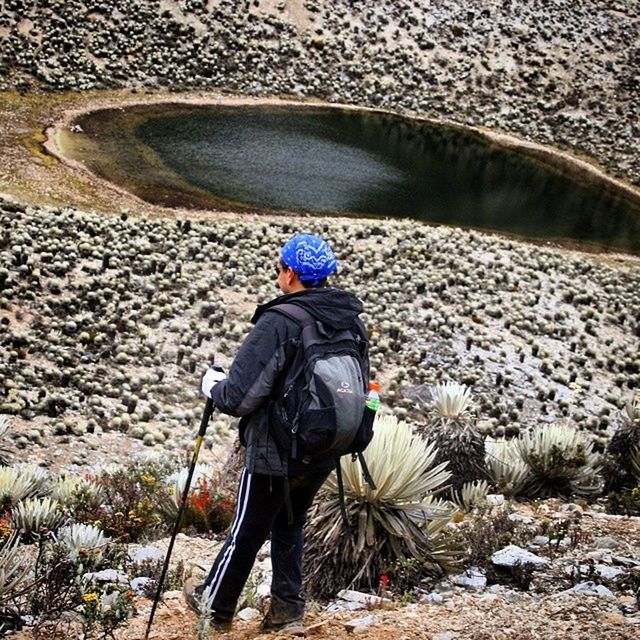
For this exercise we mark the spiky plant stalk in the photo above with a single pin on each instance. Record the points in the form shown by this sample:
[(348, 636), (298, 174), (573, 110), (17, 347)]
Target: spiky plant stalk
[(5, 428), (624, 445), (635, 464), (505, 468), (400, 519), (18, 483), (78, 538), (38, 477), (15, 566), (36, 516), (452, 427), (68, 490), (472, 494), (561, 462)]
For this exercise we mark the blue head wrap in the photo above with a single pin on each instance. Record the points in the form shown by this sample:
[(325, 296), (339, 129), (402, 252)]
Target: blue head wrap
[(310, 257)]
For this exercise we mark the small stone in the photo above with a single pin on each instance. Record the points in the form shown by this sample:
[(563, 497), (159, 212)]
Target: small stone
[(248, 613), (606, 542), (518, 517), (107, 575), (472, 579), (608, 573), (359, 623), (360, 597), (512, 555), (431, 598), (139, 585), (146, 553), (335, 607), (495, 499), (512, 597), (626, 561), (590, 588), (447, 635)]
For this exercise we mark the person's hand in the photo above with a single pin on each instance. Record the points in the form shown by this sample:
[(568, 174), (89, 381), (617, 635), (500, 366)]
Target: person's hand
[(211, 378)]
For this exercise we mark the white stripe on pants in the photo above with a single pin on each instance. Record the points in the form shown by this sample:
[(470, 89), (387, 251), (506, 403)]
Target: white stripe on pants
[(243, 499)]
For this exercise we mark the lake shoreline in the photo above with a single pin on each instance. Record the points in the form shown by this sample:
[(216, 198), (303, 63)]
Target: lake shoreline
[(588, 172)]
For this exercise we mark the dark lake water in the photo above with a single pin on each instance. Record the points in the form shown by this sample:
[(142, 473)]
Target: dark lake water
[(320, 160)]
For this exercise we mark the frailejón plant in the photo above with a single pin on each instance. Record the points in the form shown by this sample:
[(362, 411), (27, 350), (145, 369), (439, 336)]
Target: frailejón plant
[(505, 468), (35, 516), (561, 461), (400, 519), (451, 426)]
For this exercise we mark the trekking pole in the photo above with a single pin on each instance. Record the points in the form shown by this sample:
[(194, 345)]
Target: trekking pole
[(208, 410)]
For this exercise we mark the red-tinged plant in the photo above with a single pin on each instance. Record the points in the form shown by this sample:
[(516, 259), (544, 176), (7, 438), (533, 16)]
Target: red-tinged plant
[(208, 510)]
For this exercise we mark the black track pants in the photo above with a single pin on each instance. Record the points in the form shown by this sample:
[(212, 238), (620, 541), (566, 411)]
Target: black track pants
[(261, 510)]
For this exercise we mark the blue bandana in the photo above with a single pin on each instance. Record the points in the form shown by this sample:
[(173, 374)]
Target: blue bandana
[(310, 257)]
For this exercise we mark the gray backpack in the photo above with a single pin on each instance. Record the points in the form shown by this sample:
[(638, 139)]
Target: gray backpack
[(320, 412)]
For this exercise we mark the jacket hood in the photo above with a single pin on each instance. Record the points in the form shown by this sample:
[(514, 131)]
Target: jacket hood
[(333, 307)]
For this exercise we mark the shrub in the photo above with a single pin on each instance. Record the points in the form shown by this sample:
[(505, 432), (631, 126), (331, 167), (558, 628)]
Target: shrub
[(561, 462), (622, 465), (14, 569), (451, 426), (400, 519), (131, 495), (625, 502), (77, 494), (18, 483), (82, 539), (209, 508), (61, 601), (506, 469), (472, 494), (5, 428), (34, 517)]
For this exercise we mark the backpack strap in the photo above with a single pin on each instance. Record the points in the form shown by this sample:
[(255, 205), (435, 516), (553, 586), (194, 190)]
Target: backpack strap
[(343, 509), (305, 320), (295, 312), (365, 471)]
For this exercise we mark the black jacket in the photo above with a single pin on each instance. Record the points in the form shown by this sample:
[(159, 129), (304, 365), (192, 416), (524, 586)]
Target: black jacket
[(258, 370)]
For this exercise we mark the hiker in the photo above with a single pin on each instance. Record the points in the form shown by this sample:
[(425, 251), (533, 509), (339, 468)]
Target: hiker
[(279, 480)]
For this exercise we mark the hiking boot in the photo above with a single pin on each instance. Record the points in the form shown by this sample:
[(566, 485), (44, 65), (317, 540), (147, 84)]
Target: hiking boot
[(294, 627), (193, 590)]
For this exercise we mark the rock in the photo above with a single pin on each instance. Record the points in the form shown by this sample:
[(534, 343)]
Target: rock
[(624, 560), (518, 517), (107, 575), (248, 613), (512, 555), (495, 499), (353, 626), (139, 584), (606, 542), (473, 579), (147, 553), (431, 598), (590, 589), (447, 635), (608, 573), (361, 598), (263, 590)]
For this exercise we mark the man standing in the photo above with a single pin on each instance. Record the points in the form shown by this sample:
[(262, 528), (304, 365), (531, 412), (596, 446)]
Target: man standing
[(276, 488)]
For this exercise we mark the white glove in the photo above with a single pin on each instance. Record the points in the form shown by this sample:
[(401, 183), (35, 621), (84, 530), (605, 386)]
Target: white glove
[(211, 378)]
